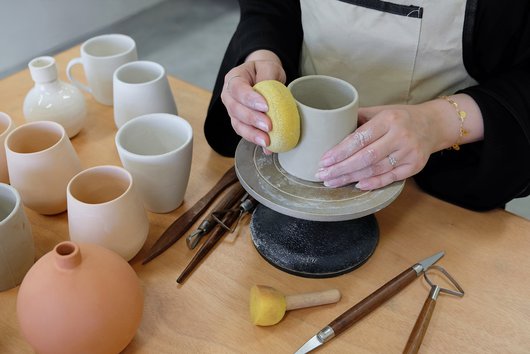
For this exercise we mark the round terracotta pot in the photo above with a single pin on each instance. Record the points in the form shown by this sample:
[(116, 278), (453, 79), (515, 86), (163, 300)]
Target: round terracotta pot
[(80, 298)]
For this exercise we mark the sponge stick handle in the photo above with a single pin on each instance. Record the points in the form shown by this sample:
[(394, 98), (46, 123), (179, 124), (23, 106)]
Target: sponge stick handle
[(300, 301)]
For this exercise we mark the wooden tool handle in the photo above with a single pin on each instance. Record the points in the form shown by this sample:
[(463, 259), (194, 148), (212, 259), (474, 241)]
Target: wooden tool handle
[(420, 327), (300, 301), (234, 195), (175, 231), (370, 303)]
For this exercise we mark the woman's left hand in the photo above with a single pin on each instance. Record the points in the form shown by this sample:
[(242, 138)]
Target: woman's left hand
[(390, 144)]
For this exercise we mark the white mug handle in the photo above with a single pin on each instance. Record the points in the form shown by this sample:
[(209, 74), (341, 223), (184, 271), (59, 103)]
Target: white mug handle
[(74, 81)]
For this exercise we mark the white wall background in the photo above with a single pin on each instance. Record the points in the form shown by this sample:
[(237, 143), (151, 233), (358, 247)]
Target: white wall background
[(30, 28)]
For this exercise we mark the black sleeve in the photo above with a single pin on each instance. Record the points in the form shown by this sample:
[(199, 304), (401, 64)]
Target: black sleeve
[(273, 25), (488, 174)]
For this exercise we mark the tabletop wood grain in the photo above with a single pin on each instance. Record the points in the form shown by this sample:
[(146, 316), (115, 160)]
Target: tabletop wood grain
[(486, 252)]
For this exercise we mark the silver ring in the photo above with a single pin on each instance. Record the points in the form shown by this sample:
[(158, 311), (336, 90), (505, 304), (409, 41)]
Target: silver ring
[(228, 82), (392, 160)]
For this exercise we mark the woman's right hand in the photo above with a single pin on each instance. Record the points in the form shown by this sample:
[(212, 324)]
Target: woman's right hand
[(245, 106)]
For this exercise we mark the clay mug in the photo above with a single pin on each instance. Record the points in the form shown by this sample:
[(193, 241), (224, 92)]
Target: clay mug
[(104, 208), (141, 87), (100, 57), (6, 126), (41, 160), (17, 251), (157, 150), (328, 112)]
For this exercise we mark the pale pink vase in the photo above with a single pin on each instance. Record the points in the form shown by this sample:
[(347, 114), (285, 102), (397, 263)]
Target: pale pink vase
[(6, 126), (80, 298), (41, 160), (105, 208)]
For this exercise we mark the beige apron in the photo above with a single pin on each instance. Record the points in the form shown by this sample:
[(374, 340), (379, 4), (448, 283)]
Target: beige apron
[(407, 51)]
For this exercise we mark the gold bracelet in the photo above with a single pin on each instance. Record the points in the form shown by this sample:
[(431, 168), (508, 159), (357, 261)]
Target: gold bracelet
[(462, 115)]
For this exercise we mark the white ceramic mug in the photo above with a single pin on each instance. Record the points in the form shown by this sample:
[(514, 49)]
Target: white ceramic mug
[(100, 57), (157, 150), (17, 251), (6, 126), (104, 208), (328, 112), (141, 87), (41, 160)]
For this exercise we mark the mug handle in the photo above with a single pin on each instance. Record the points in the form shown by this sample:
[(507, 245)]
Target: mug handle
[(72, 79)]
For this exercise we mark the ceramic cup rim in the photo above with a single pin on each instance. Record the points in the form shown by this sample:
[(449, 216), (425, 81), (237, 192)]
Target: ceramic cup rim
[(89, 170), (161, 72), (168, 117), (29, 125), (123, 38), (327, 78), (17, 205), (5, 118)]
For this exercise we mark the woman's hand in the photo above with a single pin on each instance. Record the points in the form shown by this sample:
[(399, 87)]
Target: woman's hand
[(394, 142), (245, 106)]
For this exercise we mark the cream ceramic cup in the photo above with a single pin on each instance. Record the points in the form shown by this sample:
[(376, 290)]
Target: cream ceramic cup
[(100, 57), (41, 160), (141, 87), (17, 251), (6, 126), (328, 112), (157, 150), (104, 208)]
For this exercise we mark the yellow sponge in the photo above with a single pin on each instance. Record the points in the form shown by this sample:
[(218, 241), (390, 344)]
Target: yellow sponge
[(283, 113), (267, 305)]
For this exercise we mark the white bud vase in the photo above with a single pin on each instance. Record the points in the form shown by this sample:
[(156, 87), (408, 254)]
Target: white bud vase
[(52, 99)]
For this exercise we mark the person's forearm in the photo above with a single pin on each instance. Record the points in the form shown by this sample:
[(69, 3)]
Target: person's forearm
[(447, 124)]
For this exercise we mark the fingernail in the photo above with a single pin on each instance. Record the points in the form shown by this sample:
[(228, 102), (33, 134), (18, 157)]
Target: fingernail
[(331, 183), (260, 141), (321, 174), (362, 185), (259, 106), (263, 126)]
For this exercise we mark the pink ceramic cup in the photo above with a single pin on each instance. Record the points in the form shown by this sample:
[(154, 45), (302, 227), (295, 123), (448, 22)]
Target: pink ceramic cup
[(104, 208), (41, 160), (6, 126)]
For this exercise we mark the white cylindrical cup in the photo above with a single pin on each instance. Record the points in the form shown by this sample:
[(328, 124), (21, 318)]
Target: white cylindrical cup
[(41, 160), (6, 126), (17, 250), (100, 57), (141, 87), (328, 112), (157, 150), (104, 208)]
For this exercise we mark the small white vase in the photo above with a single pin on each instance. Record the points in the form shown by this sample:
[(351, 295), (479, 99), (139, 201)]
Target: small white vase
[(52, 99)]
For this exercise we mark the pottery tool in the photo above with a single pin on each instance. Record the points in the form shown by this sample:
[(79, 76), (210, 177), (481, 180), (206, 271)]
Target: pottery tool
[(268, 305), (420, 327), (175, 231), (240, 203), (368, 304)]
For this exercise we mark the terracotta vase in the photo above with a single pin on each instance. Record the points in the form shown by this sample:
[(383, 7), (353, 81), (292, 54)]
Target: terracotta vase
[(80, 298)]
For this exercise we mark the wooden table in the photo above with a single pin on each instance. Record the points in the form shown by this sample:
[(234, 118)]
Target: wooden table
[(488, 253)]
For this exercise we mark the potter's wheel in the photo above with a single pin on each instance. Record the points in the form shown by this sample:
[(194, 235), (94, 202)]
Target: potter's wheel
[(304, 228), (264, 179)]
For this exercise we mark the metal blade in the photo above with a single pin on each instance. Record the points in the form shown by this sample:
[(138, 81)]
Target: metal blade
[(427, 262), (311, 344)]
